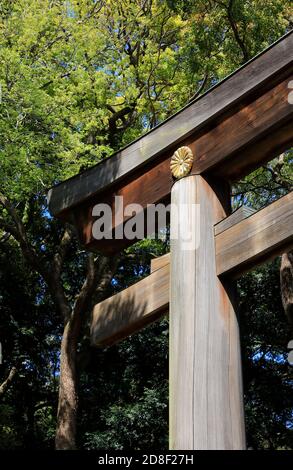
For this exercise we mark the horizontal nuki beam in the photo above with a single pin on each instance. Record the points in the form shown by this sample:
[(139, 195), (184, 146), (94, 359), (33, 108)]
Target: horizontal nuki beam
[(243, 240)]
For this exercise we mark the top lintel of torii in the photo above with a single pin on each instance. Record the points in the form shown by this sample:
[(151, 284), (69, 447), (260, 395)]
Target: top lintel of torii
[(247, 110)]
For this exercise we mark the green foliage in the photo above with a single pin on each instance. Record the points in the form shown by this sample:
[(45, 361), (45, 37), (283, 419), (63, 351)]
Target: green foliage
[(29, 333), (267, 373), (225, 34), (133, 426), (8, 434), (131, 411), (266, 184)]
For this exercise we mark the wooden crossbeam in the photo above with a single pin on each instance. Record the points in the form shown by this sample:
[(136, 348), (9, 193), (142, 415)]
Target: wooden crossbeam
[(236, 126), (241, 88), (229, 149), (242, 213), (240, 244), (256, 239), (131, 309)]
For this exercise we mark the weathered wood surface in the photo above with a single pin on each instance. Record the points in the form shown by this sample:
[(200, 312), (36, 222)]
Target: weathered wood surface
[(148, 188), (260, 237), (264, 149), (158, 263), (234, 139), (247, 83), (131, 309), (205, 397), (240, 214), (258, 119), (272, 225)]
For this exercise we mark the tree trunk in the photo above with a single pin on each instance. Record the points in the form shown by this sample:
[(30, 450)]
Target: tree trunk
[(6, 384), (286, 278), (68, 395)]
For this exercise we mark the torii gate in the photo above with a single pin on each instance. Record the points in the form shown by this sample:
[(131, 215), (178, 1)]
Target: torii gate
[(230, 130)]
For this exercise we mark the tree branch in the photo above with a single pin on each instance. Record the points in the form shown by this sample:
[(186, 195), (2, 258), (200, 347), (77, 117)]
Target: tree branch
[(233, 25), (199, 90), (51, 277), (7, 382), (19, 233), (286, 281), (62, 250)]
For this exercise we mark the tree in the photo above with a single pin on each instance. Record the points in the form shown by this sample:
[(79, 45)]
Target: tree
[(64, 106)]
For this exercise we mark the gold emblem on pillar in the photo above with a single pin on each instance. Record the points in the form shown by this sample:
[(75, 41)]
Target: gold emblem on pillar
[(181, 162)]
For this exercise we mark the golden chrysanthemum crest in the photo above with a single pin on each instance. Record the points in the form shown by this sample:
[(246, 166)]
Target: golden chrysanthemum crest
[(181, 162)]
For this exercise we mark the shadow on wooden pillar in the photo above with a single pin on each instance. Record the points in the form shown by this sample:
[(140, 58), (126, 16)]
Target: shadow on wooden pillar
[(206, 398)]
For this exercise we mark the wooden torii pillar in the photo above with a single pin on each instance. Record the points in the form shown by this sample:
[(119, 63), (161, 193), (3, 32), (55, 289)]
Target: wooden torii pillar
[(233, 128), (206, 399)]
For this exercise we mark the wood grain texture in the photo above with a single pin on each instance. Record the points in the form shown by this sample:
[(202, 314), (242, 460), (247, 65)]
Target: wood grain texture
[(263, 149), (206, 399), (251, 123), (249, 239), (263, 235), (250, 80), (240, 214), (159, 262), (150, 187), (130, 310), (235, 139)]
